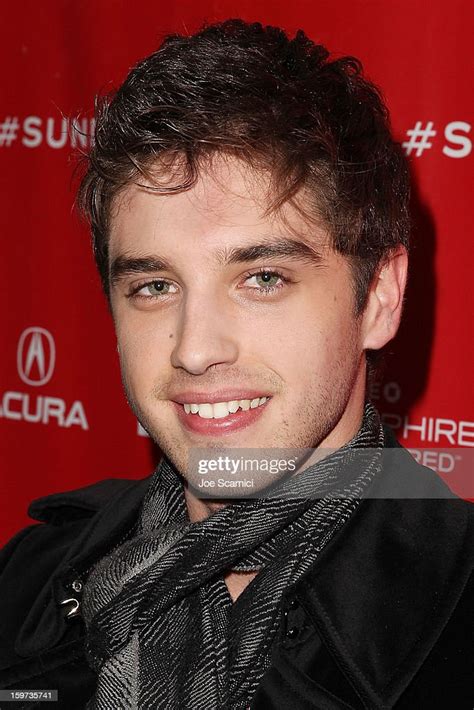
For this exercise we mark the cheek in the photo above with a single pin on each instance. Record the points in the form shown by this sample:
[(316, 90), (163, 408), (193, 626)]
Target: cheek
[(314, 355), (144, 352)]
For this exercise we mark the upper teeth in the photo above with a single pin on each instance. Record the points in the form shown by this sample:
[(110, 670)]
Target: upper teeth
[(223, 409)]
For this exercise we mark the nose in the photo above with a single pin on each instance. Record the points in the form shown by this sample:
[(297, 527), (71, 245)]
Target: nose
[(206, 335)]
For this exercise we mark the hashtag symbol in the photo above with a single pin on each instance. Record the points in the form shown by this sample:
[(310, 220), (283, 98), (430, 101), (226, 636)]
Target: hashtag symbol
[(8, 131), (419, 138)]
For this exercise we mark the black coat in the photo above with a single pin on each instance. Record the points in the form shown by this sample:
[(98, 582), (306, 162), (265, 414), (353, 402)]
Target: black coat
[(383, 620)]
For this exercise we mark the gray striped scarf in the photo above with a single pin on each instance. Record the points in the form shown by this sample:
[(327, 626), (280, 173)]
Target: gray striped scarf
[(163, 632)]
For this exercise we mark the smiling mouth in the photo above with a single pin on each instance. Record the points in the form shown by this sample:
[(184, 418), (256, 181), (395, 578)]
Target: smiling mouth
[(221, 410)]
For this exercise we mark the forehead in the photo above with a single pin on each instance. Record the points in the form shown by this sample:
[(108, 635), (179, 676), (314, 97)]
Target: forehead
[(229, 200)]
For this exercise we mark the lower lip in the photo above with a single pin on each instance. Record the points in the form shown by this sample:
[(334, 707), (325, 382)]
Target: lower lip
[(225, 425)]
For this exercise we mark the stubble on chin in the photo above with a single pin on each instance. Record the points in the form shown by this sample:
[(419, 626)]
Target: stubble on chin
[(311, 420)]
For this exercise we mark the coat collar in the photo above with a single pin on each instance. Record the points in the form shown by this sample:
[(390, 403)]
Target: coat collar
[(113, 505), (387, 583)]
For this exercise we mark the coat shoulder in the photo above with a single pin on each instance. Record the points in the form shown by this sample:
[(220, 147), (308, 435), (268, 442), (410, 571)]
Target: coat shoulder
[(60, 518), (38, 563), (83, 502)]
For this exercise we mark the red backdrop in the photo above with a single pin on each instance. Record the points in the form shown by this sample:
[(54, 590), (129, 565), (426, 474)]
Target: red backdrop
[(63, 418)]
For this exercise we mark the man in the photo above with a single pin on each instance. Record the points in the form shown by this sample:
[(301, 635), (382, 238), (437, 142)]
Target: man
[(249, 213)]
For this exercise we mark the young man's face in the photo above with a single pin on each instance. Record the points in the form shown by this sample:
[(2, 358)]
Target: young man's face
[(198, 324)]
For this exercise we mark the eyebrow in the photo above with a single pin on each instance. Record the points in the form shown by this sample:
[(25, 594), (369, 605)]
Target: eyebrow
[(125, 265)]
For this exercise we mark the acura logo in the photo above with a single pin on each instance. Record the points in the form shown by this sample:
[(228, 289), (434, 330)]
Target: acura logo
[(36, 356)]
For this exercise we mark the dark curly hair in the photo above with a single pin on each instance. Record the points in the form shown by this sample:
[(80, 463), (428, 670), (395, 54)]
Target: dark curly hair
[(277, 102)]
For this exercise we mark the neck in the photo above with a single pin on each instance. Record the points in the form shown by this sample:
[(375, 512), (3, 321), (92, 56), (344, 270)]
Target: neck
[(199, 509)]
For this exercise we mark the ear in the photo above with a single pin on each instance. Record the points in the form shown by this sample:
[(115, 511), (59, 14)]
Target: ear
[(383, 310)]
